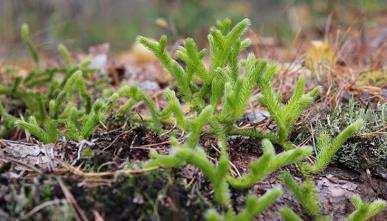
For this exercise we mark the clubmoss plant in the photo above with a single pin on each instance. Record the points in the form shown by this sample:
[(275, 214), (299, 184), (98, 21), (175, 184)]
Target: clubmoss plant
[(328, 147), (78, 118), (228, 83), (213, 98), (57, 100), (286, 115)]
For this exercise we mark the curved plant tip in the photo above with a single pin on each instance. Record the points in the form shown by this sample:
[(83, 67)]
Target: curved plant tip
[(65, 54), (254, 206), (328, 147), (268, 163), (365, 211), (25, 32), (25, 35), (305, 193)]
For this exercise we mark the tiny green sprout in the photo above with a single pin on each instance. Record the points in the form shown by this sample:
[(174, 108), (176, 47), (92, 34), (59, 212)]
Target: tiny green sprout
[(65, 55), (87, 153), (25, 35)]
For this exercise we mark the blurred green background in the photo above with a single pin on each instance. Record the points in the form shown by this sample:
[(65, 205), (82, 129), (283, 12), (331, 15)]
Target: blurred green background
[(82, 23)]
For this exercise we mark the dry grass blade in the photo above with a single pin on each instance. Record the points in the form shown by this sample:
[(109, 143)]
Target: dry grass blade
[(40, 207), (80, 215)]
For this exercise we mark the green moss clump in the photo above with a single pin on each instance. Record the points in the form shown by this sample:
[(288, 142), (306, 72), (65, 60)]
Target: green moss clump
[(368, 150)]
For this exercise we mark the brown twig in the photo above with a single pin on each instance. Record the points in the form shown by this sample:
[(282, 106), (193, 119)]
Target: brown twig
[(80, 215), (150, 145), (116, 139), (112, 174)]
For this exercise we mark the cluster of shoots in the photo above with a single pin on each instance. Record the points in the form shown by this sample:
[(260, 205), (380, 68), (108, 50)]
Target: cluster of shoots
[(58, 101), (227, 84), (208, 99), (212, 98)]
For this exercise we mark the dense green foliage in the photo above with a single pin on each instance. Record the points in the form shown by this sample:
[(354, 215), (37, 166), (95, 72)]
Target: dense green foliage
[(58, 100), (215, 97), (227, 84), (367, 151)]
